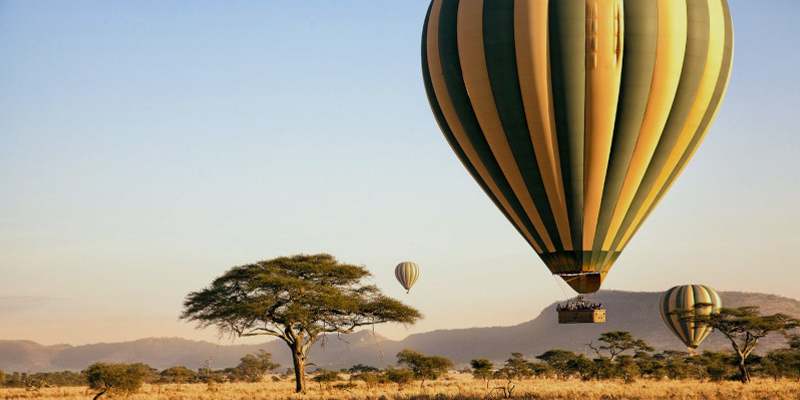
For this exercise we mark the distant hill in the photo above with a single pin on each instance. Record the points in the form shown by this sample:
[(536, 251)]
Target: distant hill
[(635, 312)]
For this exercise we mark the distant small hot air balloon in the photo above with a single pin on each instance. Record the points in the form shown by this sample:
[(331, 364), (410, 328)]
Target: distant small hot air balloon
[(700, 298), (407, 273)]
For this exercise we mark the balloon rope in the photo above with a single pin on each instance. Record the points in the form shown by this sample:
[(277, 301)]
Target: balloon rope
[(560, 283), (376, 341)]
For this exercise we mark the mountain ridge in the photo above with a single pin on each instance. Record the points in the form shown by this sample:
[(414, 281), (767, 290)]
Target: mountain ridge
[(635, 312)]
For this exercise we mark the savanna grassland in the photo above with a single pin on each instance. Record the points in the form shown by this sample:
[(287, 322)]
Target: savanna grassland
[(456, 387)]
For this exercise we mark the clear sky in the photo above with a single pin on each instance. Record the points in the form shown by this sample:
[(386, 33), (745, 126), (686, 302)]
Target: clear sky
[(146, 147)]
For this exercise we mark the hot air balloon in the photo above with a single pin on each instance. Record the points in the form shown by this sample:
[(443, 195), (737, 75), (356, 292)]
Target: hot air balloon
[(576, 116), (699, 298), (406, 273)]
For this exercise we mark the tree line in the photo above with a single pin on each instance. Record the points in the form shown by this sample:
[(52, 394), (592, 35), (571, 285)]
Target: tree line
[(124, 378), (624, 358), (618, 356)]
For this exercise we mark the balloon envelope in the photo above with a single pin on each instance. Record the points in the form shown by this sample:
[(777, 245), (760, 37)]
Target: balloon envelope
[(407, 274), (700, 298), (576, 116)]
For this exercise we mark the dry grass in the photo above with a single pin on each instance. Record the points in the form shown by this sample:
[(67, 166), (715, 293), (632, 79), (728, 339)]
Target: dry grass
[(456, 387)]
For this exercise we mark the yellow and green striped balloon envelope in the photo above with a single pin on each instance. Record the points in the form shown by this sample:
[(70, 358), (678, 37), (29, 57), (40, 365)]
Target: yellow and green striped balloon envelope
[(407, 274), (700, 298), (576, 116)]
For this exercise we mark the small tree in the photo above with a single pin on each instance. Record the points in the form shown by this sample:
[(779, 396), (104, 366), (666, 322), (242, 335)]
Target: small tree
[(121, 378), (744, 327), (326, 377), (399, 376), (297, 299), (581, 365), (369, 378), (794, 342), (177, 374), (517, 367), (618, 342), (362, 368), (559, 362), (482, 369), (626, 368), (651, 366), (603, 368), (717, 365), (423, 367), (782, 363), (253, 367)]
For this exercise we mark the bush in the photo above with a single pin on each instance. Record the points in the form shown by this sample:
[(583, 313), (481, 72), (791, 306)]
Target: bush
[(399, 376), (369, 378), (324, 376)]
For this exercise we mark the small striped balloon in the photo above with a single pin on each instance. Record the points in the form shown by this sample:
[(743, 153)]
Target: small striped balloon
[(702, 299), (407, 274)]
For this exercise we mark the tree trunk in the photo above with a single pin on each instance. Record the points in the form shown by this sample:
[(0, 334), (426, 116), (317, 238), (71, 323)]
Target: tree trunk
[(299, 370), (744, 372)]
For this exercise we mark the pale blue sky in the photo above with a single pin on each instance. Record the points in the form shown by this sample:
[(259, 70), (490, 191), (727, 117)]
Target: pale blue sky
[(146, 147)]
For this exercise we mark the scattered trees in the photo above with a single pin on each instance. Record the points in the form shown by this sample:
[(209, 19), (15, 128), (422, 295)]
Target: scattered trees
[(744, 326), (716, 365), (297, 299), (782, 363)]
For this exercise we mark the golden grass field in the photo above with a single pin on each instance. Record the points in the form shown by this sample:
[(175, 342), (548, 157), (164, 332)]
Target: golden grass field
[(457, 387)]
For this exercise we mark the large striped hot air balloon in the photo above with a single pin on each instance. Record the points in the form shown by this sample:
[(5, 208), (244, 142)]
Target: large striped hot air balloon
[(700, 299), (407, 274), (576, 116)]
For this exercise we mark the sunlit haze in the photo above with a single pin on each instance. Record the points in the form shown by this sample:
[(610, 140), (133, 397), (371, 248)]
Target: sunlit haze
[(146, 147)]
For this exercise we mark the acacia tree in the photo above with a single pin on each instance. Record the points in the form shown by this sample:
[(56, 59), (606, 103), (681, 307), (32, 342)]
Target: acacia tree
[(253, 367), (178, 374), (123, 378), (743, 326), (517, 367), (559, 362), (482, 369), (423, 367), (618, 342), (298, 299), (581, 365)]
